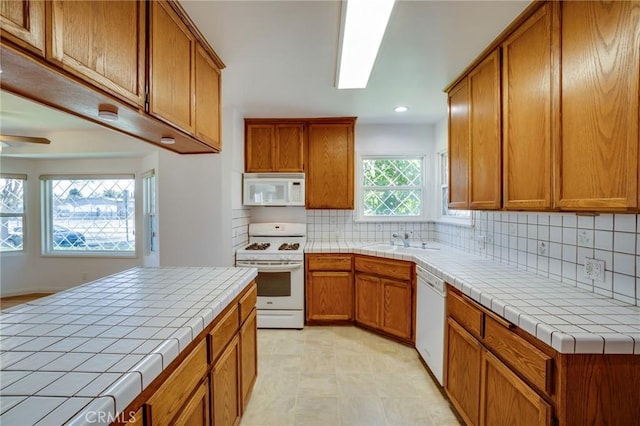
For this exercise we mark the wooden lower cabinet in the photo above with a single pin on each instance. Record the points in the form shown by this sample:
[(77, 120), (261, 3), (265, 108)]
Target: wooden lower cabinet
[(329, 288), (385, 299), (464, 363), (225, 386), (196, 411), (211, 383), (368, 297), (507, 400), (248, 357)]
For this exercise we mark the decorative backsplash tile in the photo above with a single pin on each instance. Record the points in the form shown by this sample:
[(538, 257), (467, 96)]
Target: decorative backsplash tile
[(555, 245)]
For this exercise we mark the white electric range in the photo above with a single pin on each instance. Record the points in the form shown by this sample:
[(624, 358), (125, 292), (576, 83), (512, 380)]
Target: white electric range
[(277, 251)]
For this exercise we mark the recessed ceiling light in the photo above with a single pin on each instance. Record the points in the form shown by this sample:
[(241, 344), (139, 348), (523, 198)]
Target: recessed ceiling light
[(401, 108), (362, 30), (167, 140)]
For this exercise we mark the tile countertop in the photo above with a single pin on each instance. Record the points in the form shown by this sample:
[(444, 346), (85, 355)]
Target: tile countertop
[(82, 355), (569, 319)]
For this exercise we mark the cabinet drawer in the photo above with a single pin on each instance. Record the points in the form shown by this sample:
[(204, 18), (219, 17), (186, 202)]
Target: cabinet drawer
[(333, 262), (168, 399), (223, 332), (522, 356), (248, 302), (469, 316), (384, 267)]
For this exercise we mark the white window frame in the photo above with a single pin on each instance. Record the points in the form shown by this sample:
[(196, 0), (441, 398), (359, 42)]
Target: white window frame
[(441, 184), (149, 212), (47, 210), (22, 177), (360, 217)]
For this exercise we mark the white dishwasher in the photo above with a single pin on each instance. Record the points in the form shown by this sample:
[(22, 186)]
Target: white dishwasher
[(430, 321)]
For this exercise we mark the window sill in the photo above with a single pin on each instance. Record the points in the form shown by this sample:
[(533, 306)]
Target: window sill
[(465, 222)]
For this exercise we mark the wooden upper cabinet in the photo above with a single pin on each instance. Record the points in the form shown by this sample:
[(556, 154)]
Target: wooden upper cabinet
[(101, 42), (597, 158), (530, 112), (171, 76), (484, 118), (207, 99), (274, 147), (329, 174), (459, 146), (23, 23), (289, 148)]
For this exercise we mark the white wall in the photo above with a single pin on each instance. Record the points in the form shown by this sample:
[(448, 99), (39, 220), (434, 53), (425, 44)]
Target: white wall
[(29, 271)]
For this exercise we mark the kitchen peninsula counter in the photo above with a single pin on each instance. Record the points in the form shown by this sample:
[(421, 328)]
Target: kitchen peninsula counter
[(567, 318), (83, 355)]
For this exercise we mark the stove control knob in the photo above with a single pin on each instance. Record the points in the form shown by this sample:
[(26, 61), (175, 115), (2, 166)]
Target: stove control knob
[(253, 257), (284, 257)]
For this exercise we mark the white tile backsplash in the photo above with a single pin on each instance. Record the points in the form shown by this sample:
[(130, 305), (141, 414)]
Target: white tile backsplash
[(554, 245)]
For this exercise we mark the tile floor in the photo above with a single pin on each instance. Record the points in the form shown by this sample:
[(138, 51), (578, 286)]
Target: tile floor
[(345, 376)]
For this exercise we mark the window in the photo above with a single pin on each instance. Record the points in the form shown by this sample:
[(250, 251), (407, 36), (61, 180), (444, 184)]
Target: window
[(149, 206), (12, 212), (444, 192), (392, 188), (89, 214)]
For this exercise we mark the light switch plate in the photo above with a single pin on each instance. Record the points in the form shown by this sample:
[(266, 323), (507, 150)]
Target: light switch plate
[(594, 269)]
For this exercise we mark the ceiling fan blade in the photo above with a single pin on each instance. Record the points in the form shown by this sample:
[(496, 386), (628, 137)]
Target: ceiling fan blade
[(29, 139)]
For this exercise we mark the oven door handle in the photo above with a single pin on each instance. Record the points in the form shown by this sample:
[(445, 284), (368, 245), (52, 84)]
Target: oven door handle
[(272, 268)]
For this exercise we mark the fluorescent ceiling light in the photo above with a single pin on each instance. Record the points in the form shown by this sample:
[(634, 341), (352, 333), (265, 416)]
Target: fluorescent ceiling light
[(362, 31), (401, 108)]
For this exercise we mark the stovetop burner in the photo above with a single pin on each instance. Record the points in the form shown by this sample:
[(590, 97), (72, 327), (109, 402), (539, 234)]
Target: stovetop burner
[(258, 246), (287, 246)]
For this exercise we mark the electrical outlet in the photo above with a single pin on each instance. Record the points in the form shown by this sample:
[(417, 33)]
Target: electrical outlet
[(542, 248), (482, 242), (594, 269), (379, 227)]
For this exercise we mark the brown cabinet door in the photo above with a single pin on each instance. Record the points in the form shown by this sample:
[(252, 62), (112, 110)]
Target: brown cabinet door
[(368, 298), (597, 159), (530, 112), (196, 410), (102, 42), (259, 147), (225, 398), (289, 144), (248, 357), (397, 308), (462, 377), (329, 183), (459, 146), (22, 22), (172, 48), (207, 98), (329, 296), (507, 400), (484, 118)]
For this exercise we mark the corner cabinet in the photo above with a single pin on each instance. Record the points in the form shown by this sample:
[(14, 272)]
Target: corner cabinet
[(329, 288), (274, 146), (23, 22), (111, 51), (385, 296), (330, 162), (597, 159)]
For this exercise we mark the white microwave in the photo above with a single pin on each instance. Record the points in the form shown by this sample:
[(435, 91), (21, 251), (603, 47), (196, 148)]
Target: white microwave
[(273, 189)]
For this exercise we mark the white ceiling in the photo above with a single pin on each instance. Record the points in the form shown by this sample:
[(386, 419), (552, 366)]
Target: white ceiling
[(281, 60), (281, 55)]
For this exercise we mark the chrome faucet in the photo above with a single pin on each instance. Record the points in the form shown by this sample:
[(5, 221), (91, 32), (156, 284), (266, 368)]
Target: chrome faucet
[(405, 239)]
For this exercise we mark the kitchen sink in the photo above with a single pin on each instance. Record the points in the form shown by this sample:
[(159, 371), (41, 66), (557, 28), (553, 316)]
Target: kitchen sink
[(402, 249)]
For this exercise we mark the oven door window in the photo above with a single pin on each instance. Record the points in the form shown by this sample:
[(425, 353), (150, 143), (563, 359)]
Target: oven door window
[(274, 284)]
